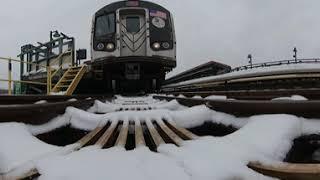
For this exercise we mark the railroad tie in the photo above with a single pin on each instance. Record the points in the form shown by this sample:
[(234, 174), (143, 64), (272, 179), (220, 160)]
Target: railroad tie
[(157, 139), (161, 132), (182, 132), (122, 139), (106, 136), (139, 139), (86, 139), (175, 138)]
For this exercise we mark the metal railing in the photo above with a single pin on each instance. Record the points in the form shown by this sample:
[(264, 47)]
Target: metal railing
[(45, 53), (276, 63), (51, 72)]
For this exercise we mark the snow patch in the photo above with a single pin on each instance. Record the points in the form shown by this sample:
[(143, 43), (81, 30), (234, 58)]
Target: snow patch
[(94, 163), (18, 146), (107, 107), (41, 102), (293, 97), (215, 97)]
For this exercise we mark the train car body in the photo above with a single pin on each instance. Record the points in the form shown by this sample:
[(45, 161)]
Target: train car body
[(133, 45)]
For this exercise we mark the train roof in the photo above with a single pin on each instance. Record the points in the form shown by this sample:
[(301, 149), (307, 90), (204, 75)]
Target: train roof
[(120, 4)]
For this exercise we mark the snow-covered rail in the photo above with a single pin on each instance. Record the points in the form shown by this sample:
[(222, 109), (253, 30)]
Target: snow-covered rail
[(40, 109), (304, 108), (288, 170), (267, 94), (287, 76)]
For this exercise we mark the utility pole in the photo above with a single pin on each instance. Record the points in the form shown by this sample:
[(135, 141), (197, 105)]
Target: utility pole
[(250, 59), (295, 54)]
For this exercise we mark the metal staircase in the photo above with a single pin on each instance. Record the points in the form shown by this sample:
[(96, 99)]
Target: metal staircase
[(69, 81)]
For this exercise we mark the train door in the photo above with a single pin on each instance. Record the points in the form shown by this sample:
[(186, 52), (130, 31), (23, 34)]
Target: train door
[(133, 33)]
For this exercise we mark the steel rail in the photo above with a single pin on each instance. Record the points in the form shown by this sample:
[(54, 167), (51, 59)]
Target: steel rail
[(308, 109), (250, 76), (288, 171), (30, 99), (40, 113), (313, 93)]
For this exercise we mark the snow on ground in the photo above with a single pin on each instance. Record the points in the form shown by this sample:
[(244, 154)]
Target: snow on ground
[(18, 145), (134, 100), (107, 107), (226, 157), (293, 97), (113, 163), (58, 93), (215, 97), (41, 102), (265, 138)]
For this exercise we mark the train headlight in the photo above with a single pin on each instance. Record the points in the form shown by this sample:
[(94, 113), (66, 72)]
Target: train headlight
[(110, 46), (166, 45), (100, 46), (156, 45)]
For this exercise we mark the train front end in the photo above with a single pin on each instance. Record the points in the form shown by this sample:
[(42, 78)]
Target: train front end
[(133, 45)]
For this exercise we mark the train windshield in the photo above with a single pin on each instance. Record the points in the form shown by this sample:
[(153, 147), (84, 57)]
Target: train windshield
[(133, 24), (105, 25)]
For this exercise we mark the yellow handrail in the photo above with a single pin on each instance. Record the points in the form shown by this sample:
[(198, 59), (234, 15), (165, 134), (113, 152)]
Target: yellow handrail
[(50, 74), (10, 80), (26, 82), (15, 60)]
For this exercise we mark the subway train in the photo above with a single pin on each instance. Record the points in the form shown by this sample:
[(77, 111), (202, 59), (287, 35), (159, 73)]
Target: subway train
[(133, 45)]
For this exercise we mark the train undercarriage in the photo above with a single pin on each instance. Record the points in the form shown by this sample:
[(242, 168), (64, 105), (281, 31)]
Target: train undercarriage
[(125, 76)]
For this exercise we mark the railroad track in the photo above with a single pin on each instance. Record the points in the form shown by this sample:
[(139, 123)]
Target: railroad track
[(267, 94), (41, 109), (309, 109), (287, 171), (278, 79), (155, 133), (152, 133)]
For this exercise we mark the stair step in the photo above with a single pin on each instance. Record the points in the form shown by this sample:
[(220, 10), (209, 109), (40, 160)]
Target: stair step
[(77, 70), (70, 75), (70, 80), (62, 86), (76, 67), (67, 80), (73, 72)]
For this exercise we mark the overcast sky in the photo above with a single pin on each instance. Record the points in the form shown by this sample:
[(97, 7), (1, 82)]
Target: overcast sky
[(219, 30)]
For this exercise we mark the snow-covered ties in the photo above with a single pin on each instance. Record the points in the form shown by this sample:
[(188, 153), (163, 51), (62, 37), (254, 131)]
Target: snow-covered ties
[(264, 138), (107, 107)]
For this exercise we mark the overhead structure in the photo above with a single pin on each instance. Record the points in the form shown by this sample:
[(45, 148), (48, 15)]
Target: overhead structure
[(55, 65)]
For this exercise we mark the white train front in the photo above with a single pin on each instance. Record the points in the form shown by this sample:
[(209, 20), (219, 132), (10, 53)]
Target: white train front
[(133, 45)]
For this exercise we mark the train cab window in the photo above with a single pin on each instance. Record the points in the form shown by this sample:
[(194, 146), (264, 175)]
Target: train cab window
[(105, 25), (133, 24)]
